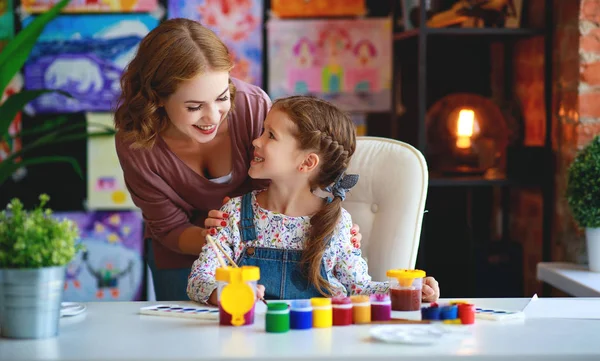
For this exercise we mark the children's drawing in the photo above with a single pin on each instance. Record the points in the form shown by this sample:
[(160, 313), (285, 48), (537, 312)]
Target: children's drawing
[(83, 55), (110, 268), (13, 143), (347, 62), (237, 22), (6, 19), (82, 6), (105, 183)]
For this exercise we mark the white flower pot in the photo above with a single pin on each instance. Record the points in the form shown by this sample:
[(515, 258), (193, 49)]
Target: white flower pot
[(592, 237)]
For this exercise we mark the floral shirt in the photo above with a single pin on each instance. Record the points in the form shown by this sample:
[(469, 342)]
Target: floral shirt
[(347, 271)]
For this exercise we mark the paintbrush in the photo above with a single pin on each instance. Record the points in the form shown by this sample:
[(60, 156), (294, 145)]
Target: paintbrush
[(401, 321), (216, 244)]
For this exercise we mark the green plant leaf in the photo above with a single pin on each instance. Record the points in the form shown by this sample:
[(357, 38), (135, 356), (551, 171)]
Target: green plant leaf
[(15, 53), (583, 185), (14, 104), (7, 168), (48, 125)]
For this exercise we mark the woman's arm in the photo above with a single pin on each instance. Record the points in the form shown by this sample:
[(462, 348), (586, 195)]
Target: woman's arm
[(168, 223), (201, 282)]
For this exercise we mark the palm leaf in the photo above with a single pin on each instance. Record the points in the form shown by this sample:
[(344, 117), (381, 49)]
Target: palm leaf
[(15, 53), (14, 104), (8, 168)]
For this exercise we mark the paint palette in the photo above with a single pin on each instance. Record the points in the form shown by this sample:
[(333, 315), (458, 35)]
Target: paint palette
[(204, 313), (498, 315)]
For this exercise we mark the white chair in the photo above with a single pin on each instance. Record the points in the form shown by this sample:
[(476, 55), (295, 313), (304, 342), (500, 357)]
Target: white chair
[(388, 202)]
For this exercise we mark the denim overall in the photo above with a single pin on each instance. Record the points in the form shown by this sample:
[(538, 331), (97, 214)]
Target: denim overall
[(280, 269)]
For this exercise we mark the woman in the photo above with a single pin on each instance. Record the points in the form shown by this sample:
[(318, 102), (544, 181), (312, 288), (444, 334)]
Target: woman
[(184, 141)]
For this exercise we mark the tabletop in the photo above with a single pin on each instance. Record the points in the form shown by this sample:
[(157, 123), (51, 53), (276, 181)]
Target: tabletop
[(116, 331)]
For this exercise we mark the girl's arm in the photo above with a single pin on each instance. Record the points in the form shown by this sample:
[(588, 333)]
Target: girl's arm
[(351, 268), (201, 281)]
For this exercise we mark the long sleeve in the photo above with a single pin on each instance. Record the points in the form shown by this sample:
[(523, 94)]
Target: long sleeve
[(165, 219), (350, 267), (202, 282)]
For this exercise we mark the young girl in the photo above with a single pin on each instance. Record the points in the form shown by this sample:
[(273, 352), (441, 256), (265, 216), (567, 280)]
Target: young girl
[(300, 241)]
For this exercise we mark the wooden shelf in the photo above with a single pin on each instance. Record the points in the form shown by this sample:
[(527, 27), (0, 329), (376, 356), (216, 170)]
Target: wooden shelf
[(438, 180), (510, 32), (492, 32)]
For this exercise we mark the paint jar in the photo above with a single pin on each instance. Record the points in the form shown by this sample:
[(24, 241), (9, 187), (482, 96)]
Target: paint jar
[(381, 307), (322, 312), (466, 313), (277, 319), (301, 315), (361, 309), (449, 312), (405, 289), (236, 292), (342, 311)]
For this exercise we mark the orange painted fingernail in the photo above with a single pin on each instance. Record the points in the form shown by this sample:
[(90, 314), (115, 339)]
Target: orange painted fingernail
[(223, 223)]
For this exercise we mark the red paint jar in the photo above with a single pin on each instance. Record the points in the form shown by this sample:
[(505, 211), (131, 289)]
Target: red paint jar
[(381, 307), (405, 289), (342, 311), (466, 313)]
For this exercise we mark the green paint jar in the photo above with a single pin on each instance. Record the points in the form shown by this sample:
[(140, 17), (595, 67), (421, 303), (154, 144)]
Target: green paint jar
[(277, 317)]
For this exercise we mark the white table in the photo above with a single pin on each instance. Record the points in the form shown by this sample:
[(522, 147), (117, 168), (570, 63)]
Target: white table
[(115, 331), (573, 279)]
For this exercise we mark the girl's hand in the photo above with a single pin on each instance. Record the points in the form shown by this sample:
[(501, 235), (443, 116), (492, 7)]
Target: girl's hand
[(356, 237), (216, 218), (431, 290), (260, 292)]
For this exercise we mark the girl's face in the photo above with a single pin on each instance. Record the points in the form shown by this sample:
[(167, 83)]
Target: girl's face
[(200, 105), (276, 152)]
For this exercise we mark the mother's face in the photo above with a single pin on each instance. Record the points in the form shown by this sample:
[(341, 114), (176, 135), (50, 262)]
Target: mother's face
[(200, 105)]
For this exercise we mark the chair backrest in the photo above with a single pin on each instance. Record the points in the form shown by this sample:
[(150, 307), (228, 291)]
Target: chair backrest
[(388, 202)]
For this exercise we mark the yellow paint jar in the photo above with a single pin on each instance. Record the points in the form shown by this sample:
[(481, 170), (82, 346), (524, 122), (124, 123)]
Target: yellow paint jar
[(322, 312), (361, 309)]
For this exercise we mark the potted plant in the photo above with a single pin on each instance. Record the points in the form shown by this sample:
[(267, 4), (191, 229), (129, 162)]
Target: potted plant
[(12, 58), (35, 248), (583, 196)]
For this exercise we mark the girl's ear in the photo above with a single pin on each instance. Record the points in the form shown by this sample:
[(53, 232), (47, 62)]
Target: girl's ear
[(310, 162)]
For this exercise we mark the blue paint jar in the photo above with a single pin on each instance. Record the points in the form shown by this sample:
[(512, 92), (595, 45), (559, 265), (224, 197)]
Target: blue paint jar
[(301, 315), (449, 312), (430, 313)]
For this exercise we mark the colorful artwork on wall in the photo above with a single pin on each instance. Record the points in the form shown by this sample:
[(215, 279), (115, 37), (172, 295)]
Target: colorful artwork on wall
[(347, 62), (111, 267), (7, 27), (84, 6), (13, 143), (83, 55), (315, 8), (237, 22), (105, 183)]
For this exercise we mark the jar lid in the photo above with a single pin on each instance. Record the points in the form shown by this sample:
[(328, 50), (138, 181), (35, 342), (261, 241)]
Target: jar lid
[(277, 306), (359, 298), (300, 304), (380, 297), (247, 273), (341, 300), (320, 301), (406, 273)]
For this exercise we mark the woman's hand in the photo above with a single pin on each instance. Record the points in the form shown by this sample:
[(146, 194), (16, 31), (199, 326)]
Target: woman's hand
[(356, 237), (431, 290), (215, 219)]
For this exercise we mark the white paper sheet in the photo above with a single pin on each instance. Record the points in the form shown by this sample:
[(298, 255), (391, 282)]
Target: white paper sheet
[(574, 308)]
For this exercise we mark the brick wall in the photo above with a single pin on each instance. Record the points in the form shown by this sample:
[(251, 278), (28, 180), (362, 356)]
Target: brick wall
[(576, 120)]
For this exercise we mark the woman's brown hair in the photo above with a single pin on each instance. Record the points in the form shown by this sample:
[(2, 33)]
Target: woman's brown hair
[(322, 127), (175, 51)]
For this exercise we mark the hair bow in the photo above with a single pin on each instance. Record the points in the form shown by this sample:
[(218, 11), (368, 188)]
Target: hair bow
[(342, 184)]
